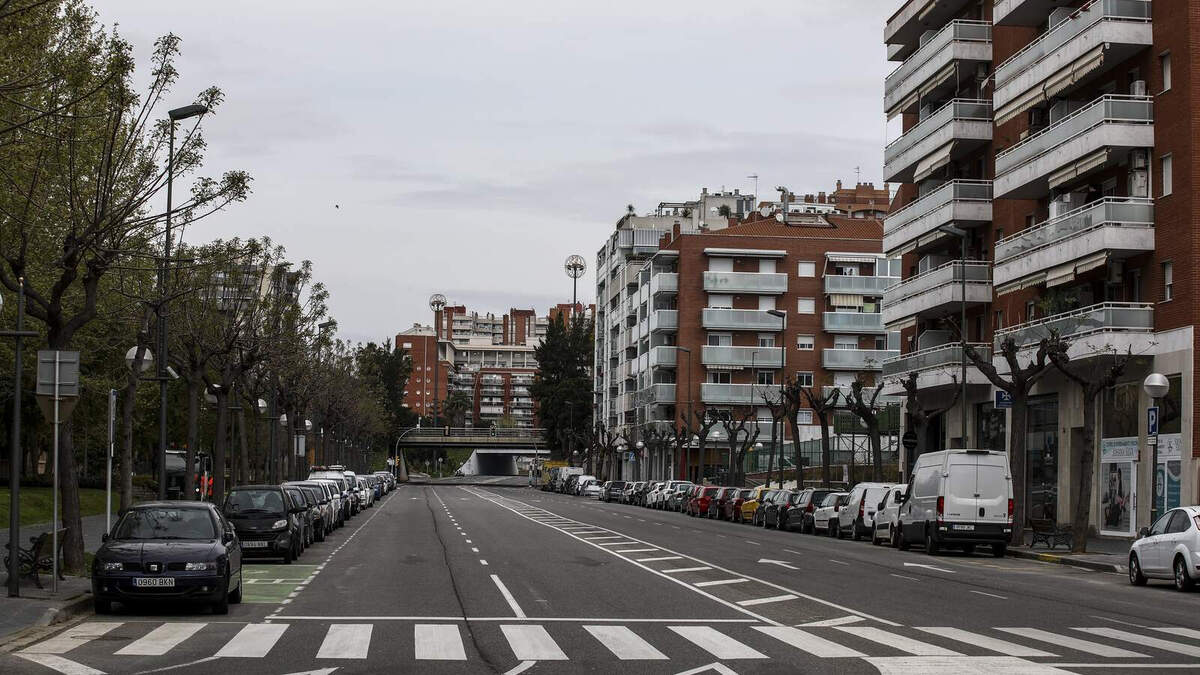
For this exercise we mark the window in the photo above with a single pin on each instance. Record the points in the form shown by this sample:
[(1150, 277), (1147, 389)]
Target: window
[(720, 340), (1167, 175), (804, 378), (805, 342), (1029, 309), (1164, 62), (1168, 280), (845, 342), (718, 377), (804, 417), (999, 320), (1135, 285), (766, 340), (720, 301), (766, 302), (806, 305), (766, 266), (766, 377), (806, 268), (408, 345)]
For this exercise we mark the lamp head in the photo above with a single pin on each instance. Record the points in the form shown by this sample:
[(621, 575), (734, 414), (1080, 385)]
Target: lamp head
[(186, 112), (1156, 385)]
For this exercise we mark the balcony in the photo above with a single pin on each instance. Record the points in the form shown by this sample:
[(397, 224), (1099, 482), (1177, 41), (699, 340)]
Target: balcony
[(904, 29), (856, 359), (664, 282), (764, 283), (932, 66), (741, 357), (952, 131), (1094, 40), (962, 202), (740, 319), (856, 285), (657, 394), (1111, 228), (663, 357), (1108, 327), (664, 320), (938, 291), (854, 323), (1085, 141), (738, 394), (936, 367)]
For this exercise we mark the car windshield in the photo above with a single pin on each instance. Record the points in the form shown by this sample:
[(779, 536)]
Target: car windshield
[(254, 501), (165, 523)]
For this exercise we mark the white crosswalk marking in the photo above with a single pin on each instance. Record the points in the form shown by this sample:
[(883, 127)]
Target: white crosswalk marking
[(817, 646), (962, 665), (678, 570), (1086, 646), (638, 550), (346, 641), (64, 666), (438, 642), (72, 637), (665, 557), (766, 601), (719, 582), (617, 543), (160, 640), (984, 642), (1177, 630), (1145, 641), (255, 640), (532, 643), (624, 643), (716, 643), (900, 642)]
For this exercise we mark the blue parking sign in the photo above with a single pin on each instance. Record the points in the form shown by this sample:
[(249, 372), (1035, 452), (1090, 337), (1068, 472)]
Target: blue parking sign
[(1152, 421)]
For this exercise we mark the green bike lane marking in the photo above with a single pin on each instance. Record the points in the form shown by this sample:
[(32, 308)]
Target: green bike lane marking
[(271, 584)]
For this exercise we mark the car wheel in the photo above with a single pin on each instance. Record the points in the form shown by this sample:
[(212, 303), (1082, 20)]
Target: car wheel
[(103, 606), (235, 596), (968, 549), (838, 527), (1183, 582), (287, 556), (833, 530), (998, 550), (875, 540), (894, 535), (931, 545), (855, 533), (222, 606), (1135, 571), (901, 542)]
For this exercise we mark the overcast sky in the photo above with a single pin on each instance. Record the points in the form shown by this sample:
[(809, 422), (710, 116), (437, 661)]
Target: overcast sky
[(472, 146)]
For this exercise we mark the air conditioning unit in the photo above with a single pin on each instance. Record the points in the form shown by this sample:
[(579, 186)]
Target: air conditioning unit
[(1138, 160), (1137, 88)]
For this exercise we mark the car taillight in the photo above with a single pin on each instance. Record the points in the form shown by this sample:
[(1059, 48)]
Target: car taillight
[(941, 507), (1196, 518), (862, 505), (809, 508), (1010, 513)]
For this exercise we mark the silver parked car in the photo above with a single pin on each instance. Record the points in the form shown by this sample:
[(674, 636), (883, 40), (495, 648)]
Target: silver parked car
[(1168, 549)]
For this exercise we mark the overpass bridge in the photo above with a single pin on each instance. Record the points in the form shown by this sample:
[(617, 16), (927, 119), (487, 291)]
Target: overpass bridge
[(495, 451)]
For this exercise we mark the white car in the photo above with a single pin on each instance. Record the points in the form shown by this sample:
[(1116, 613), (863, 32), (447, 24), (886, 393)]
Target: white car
[(886, 516), (858, 518), (664, 491), (591, 488), (825, 517), (1169, 549), (580, 482)]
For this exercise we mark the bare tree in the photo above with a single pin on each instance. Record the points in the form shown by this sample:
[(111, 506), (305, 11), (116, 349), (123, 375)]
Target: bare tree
[(863, 405), (704, 423), (742, 433), (781, 409), (823, 406)]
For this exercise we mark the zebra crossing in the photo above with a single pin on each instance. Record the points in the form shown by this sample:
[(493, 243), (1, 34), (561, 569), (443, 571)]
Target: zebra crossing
[(97, 647)]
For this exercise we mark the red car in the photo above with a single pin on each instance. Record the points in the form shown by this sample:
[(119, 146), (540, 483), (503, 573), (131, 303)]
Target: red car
[(716, 506), (733, 504), (701, 498)]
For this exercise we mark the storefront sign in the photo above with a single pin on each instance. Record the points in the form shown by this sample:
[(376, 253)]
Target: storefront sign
[(1170, 446), (1119, 449)]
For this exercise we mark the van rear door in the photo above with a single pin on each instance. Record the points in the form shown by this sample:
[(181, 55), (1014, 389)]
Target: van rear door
[(994, 489), (960, 491)]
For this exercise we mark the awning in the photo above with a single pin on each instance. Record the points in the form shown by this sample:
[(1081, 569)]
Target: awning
[(1072, 171), (938, 79), (932, 162), (1092, 262), (845, 300), (903, 324), (1060, 275), (854, 257), (1020, 284), (1075, 72), (1019, 105)]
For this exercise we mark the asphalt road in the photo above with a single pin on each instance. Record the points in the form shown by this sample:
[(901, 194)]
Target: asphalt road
[(479, 579)]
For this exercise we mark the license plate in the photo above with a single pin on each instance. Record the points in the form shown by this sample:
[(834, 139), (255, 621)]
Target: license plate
[(254, 544), (154, 581), (963, 528)]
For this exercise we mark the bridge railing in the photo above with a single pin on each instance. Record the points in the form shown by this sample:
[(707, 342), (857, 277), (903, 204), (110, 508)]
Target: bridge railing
[(517, 434)]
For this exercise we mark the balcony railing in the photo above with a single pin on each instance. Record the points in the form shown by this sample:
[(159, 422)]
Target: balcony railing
[(976, 271), (941, 356), (1108, 109), (664, 319), (947, 193), (744, 357), (935, 131), (742, 394), (740, 319), (1105, 317), (856, 285), (657, 394), (856, 359), (854, 322), (932, 56), (766, 283), (664, 282), (1108, 212), (663, 356)]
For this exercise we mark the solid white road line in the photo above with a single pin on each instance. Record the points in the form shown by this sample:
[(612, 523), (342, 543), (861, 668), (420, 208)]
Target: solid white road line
[(611, 536), (817, 646), (963, 665), (719, 582), (665, 557), (532, 643), (1144, 640), (716, 643), (438, 642), (766, 601), (512, 602), (73, 637), (679, 570), (346, 641), (1088, 647), (255, 640), (904, 644), (64, 666), (990, 595), (160, 640), (624, 643), (984, 642)]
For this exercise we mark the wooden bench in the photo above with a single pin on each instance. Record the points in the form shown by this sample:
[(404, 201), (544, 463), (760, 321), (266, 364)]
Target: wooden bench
[(37, 558), (1049, 533)]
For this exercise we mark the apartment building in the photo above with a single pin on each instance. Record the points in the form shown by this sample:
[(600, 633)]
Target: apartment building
[(864, 200), (715, 320), (1038, 188)]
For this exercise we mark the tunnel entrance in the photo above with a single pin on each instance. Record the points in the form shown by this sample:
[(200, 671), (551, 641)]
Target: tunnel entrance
[(500, 462)]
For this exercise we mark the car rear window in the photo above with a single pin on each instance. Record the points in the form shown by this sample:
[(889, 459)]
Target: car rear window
[(708, 492), (744, 494)]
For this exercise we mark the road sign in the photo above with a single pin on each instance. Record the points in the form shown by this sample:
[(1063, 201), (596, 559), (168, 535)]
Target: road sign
[(909, 440), (1003, 399), (57, 375), (1152, 421)]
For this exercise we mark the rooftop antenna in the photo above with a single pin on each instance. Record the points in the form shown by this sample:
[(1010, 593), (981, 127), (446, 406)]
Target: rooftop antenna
[(857, 175), (755, 177)]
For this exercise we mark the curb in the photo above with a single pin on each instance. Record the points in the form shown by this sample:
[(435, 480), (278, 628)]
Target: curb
[(1068, 560), (71, 608)]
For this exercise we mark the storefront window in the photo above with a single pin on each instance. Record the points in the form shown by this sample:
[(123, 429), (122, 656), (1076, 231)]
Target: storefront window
[(1119, 445), (1042, 435), (990, 427), (1170, 445)]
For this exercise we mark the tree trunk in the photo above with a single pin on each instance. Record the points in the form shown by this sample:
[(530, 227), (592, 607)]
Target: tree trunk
[(194, 392), (1079, 525), (794, 424), (219, 441), (1017, 464), (68, 482), (243, 459), (876, 447), (825, 451)]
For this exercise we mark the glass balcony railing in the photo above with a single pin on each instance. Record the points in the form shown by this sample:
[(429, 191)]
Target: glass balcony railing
[(664, 282), (664, 319), (932, 357), (1107, 212), (905, 77), (854, 322), (1106, 317), (947, 193), (856, 359), (657, 394), (745, 357), (957, 109), (975, 271), (740, 319), (1110, 109), (745, 282), (855, 285), (743, 394), (664, 356)]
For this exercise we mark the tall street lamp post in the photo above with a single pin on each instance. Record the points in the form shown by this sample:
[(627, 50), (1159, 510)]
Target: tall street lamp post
[(962, 328), (437, 302), (782, 316), (575, 266), (14, 457), (1156, 385)]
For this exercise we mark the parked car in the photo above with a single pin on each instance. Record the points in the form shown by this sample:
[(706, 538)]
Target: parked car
[(775, 511), (324, 507), (885, 516), (343, 488), (701, 498), (266, 519), (750, 505), (858, 519), (658, 499), (716, 506), (733, 504), (640, 496), (824, 518), (800, 511), (591, 488), (612, 490), (169, 551), (760, 507), (1168, 549), (958, 498), (678, 498), (307, 517), (336, 501)]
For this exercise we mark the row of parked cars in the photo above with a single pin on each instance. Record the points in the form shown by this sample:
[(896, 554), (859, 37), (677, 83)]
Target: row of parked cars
[(193, 551)]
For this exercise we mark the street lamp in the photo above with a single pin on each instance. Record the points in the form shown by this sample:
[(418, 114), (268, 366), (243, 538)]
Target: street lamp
[(437, 302), (637, 463), (575, 266), (962, 330), (687, 451), (1156, 386), (14, 457), (176, 115), (782, 316)]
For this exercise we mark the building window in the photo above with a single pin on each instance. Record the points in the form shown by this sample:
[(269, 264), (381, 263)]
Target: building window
[(805, 342), (720, 340), (999, 320), (1164, 61), (766, 340), (1168, 280), (718, 377), (408, 345), (1167, 175), (845, 342), (806, 305), (804, 417), (1030, 307), (806, 268), (804, 378), (766, 377)]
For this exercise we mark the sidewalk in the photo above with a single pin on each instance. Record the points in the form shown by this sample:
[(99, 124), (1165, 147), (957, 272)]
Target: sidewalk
[(93, 527), (39, 607), (1104, 555)]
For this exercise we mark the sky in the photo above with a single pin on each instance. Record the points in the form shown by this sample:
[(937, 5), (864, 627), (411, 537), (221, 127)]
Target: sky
[(467, 148)]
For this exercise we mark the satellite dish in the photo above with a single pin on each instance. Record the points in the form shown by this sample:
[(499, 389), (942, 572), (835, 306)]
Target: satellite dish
[(780, 217), (764, 211)]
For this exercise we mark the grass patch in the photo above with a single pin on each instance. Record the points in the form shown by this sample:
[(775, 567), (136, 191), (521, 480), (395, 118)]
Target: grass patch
[(37, 505)]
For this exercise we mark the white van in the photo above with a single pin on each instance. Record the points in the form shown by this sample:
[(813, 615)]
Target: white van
[(857, 518), (958, 498)]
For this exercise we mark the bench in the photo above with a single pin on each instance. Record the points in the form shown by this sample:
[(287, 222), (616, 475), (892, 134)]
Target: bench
[(37, 558), (1050, 533)]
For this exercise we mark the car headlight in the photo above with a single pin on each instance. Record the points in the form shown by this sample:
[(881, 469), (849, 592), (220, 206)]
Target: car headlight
[(279, 524), (199, 566), (112, 566)]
